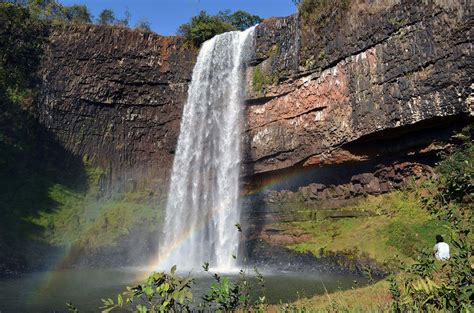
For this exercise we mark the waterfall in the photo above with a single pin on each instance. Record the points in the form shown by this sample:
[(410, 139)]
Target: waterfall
[(203, 201)]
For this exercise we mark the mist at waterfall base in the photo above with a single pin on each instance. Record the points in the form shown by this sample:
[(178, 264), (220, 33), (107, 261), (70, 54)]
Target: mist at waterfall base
[(49, 291)]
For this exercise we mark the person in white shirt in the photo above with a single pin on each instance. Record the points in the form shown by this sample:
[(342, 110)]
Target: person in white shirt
[(441, 249)]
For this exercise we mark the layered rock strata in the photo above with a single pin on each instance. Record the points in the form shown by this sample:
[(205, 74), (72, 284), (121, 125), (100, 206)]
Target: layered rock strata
[(365, 82), (115, 95), (366, 71)]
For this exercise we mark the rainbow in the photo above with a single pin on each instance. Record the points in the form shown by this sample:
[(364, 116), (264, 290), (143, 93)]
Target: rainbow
[(71, 254)]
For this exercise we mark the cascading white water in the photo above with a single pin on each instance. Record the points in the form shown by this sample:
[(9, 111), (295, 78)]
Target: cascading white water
[(203, 201)]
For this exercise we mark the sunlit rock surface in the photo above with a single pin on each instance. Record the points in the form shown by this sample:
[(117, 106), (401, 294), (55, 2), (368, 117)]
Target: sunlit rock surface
[(366, 70), (367, 83)]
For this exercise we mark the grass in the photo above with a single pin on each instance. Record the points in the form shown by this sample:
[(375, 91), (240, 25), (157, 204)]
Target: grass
[(373, 298), (399, 227), (261, 79)]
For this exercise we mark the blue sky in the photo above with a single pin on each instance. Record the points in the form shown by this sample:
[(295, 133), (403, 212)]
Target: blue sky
[(166, 15)]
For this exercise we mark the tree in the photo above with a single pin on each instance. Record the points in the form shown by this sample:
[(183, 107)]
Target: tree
[(78, 14), (48, 10), (203, 26), (241, 19), (106, 17), (143, 25), (21, 39), (53, 11)]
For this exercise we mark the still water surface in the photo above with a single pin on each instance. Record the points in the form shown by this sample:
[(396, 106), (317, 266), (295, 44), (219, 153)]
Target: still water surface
[(49, 291)]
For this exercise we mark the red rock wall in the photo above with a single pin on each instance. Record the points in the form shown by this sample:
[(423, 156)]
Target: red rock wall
[(369, 70)]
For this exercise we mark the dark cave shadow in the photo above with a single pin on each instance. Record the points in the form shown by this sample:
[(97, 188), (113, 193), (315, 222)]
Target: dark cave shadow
[(32, 162), (382, 148)]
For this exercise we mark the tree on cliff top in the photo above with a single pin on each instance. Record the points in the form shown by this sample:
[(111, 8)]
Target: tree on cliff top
[(106, 17), (77, 14), (241, 20), (203, 26), (53, 11)]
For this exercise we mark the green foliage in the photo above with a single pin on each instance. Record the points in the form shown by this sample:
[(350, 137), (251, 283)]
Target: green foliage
[(203, 26), (21, 40), (77, 14), (410, 238), (106, 17), (226, 296), (53, 11), (392, 224), (430, 285), (241, 20), (161, 292), (457, 173), (81, 219), (260, 79)]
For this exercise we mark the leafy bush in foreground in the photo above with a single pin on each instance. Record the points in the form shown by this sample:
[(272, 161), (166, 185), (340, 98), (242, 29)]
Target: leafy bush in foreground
[(161, 292)]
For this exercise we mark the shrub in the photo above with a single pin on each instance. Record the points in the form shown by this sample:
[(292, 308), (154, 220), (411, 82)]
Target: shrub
[(77, 14), (161, 292), (457, 172)]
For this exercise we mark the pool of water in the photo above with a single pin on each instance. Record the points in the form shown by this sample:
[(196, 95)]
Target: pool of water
[(49, 291)]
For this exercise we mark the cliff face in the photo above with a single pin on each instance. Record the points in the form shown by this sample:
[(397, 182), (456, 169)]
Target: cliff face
[(115, 95), (364, 83), (349, 88)]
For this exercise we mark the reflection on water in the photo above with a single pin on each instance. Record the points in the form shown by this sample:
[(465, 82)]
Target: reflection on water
[(49, 291)]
